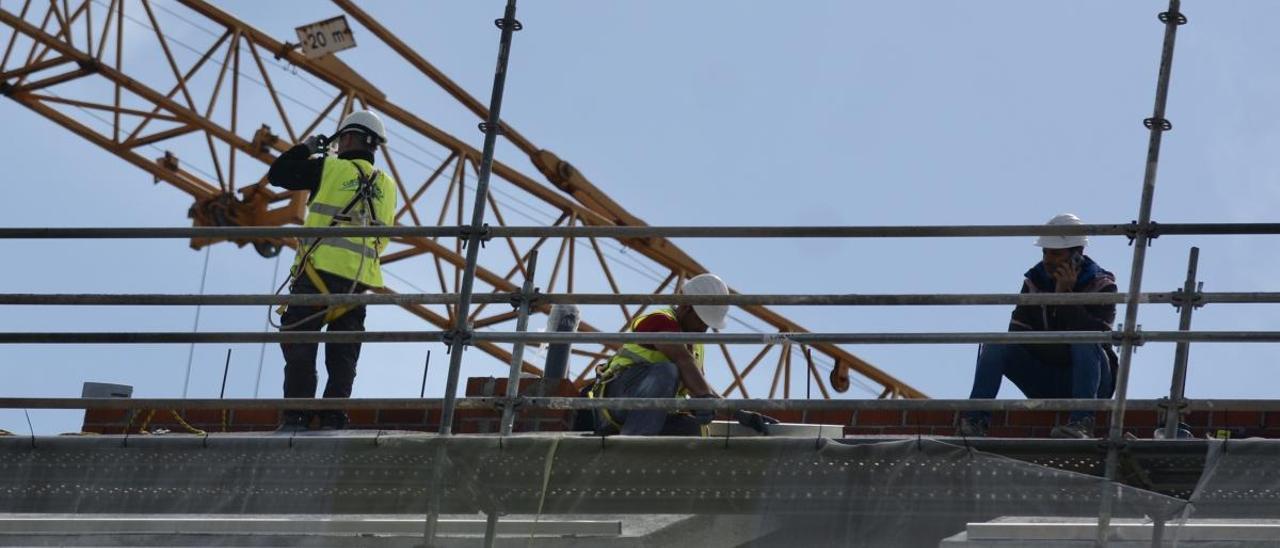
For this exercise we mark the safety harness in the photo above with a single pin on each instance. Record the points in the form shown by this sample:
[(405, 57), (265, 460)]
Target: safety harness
[(365, 216)]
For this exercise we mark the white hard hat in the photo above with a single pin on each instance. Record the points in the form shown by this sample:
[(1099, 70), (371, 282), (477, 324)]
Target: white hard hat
[(363, 121), (708, 284), (1063, 242)]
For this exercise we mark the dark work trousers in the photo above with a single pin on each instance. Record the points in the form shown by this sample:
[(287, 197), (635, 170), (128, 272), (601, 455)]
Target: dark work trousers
[(655, 380), (339, 358), (1088, 375)]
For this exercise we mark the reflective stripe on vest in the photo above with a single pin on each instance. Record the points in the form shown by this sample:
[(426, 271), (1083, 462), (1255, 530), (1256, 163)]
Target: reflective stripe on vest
[(351, 258), (344, 243)]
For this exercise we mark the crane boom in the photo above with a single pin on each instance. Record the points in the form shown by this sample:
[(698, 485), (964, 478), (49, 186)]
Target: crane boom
[(65, 50)]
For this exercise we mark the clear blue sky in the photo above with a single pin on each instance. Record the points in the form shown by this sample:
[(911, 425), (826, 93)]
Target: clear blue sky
[(720, 113)]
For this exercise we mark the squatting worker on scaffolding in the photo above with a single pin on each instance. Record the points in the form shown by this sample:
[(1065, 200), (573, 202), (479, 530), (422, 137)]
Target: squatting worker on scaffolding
[(1082, 371), (666, 370), (346, 190)]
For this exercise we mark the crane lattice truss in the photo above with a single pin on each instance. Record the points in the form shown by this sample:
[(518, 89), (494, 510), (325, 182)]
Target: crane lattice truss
[(73, 63)]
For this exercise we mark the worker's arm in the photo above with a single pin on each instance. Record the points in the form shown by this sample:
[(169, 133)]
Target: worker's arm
[(296, 170), (1024, 317), (690, 376), (1094, 317)]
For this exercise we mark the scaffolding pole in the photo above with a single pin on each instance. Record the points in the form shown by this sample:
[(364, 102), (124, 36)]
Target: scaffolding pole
[(1157, 124), (460, 337), (1187, 304)]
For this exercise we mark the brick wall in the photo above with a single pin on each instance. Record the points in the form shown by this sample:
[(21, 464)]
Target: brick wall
[(115, 421), (1019, 424)]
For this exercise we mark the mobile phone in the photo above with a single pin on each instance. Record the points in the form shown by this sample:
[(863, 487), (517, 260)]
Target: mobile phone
[(1077, 259)]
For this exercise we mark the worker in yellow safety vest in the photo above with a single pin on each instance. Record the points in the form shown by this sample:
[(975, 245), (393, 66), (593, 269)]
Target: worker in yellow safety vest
[(665, 370), (346, 190)]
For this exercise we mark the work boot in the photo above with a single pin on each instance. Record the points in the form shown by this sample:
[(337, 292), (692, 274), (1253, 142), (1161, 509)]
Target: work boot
[(333, 420), (294, 421), (1077, 429), (972, 427)]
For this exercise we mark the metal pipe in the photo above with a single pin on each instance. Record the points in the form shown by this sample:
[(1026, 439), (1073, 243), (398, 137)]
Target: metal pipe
[(490, 528), (669, 404), (1177, 387), (1157, 124), (626, 232), (650, 299), (463, 309), (975, 337), (152, 299), (517, 353)]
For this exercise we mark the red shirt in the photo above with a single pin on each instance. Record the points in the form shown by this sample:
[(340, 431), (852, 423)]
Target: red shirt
[(657, 323)]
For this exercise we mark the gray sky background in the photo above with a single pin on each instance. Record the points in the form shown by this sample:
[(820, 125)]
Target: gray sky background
[(719, 113)]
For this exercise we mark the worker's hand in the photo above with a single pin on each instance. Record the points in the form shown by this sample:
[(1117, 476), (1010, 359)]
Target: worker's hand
[(705, 416), (1064, 276), (755, 421), (316, 143)]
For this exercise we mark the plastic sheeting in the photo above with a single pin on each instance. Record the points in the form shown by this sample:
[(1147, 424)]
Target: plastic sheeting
[(765, 491)]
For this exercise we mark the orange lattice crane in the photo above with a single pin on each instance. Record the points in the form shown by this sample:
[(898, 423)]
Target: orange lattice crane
[(54, 45)]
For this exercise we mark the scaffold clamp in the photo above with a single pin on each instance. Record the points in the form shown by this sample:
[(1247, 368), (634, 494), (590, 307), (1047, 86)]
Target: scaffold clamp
[(1163, 123), (1164, 18), (483, 236), (1179, 298), (1179, 404), (532, 298), (501, 23), (462, 336), (1132, 231)]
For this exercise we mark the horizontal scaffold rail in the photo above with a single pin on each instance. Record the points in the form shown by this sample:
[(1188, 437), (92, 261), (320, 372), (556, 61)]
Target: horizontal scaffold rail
[(576, 298), (998, 337), (625, 232), (670, 404), (840, 299)]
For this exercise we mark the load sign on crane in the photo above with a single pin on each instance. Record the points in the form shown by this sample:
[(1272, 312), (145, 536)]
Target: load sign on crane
[(324, 37)]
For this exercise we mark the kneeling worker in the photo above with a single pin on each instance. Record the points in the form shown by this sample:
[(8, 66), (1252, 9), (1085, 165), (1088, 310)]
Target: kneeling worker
[(666, 370), (345, 191)]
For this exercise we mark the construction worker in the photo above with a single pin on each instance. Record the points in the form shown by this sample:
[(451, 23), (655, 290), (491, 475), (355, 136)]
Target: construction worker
[(346, 190), (1084, 370), (666, 370)]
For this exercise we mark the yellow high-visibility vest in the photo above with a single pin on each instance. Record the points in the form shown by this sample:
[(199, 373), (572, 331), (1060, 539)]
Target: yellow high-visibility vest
[(351, 258), (634, 354)]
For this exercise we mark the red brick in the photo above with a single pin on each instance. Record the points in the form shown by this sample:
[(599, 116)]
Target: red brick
[(1011, 432), (931, 418), (829, 417), (106, 416), (1197, 418), (207, 416), (787, 415), (1271, 419), (359, 418), (241, 418), (902, 431), (1242, 419), (1033, 418), (1143, 418), (476, 386), (475, 426), (862, 430), (999, 418), (878, 418), (401, 416)]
